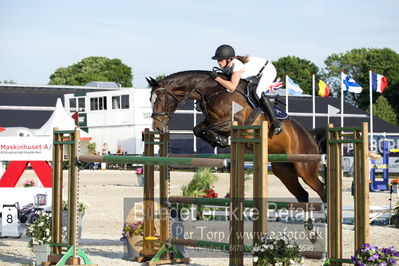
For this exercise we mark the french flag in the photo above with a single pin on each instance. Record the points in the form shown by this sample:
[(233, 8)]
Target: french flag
[(378, 82)]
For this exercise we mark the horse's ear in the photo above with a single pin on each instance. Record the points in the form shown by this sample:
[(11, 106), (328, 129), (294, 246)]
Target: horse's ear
[(154, 81), (149, 82)]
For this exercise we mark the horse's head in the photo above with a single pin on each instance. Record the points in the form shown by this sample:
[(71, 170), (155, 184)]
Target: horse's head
[(164, 103)]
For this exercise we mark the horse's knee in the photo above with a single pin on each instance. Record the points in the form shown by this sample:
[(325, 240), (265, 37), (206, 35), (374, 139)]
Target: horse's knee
[(199, 130)]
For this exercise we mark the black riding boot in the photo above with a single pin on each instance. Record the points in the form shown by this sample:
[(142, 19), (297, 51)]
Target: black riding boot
[(267, 106)]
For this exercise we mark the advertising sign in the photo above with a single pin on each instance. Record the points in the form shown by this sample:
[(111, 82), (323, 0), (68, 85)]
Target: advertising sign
[(26, 149)]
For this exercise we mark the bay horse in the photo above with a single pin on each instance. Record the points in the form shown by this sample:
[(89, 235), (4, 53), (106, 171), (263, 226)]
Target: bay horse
[(215, 103)]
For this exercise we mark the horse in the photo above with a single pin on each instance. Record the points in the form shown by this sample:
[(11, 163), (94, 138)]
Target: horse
[(215, 103)]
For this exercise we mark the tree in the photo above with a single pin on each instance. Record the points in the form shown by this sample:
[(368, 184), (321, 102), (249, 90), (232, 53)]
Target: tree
[(298, 69), (384, 110), (93, 69), (357, 63)]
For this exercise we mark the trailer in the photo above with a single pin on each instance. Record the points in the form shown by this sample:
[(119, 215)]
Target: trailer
[(115, 117)]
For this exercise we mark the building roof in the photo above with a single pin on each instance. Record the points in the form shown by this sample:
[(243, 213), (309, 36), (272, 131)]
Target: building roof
[(55, 88)]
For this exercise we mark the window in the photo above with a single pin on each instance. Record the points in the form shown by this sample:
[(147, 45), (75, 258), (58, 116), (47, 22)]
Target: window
[(81, 104), (72, 105), (120, 102), (98, 103), (77, 104)]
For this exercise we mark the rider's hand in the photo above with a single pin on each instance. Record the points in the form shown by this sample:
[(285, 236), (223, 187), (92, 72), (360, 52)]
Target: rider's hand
[(213, 74)]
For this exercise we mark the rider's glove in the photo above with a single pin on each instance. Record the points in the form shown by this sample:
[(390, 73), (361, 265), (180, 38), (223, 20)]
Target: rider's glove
[(213, 74)]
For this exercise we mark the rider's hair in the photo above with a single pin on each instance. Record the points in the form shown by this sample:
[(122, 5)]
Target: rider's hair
[(243, 58)]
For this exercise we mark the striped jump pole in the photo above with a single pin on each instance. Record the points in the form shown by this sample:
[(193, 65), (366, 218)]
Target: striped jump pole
[(275, 205)]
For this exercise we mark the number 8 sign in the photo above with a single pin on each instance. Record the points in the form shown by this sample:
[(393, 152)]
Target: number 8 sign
[(9, 221)]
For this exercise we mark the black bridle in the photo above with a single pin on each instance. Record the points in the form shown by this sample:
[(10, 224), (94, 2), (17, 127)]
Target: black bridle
[(169, 96)]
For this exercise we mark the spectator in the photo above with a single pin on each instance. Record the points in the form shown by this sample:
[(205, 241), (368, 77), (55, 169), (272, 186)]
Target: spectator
[(105, 149), (120, 151)]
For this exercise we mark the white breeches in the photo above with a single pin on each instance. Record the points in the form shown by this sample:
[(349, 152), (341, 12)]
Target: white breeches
[(269, 74)]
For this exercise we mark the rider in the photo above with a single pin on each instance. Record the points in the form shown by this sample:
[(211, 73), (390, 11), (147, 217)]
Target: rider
[(251, 68)]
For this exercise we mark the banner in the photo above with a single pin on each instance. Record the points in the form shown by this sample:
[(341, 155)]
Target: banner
[(26, 148)]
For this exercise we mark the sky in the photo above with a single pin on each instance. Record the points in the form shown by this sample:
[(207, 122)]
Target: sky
[(163, 37)]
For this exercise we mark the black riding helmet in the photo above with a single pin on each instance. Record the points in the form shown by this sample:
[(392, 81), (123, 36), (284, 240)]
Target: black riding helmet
[(224, 52)]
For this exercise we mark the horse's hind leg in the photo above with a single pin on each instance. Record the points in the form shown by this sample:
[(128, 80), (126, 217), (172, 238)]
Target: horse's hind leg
[(309, 174), (287, 174)]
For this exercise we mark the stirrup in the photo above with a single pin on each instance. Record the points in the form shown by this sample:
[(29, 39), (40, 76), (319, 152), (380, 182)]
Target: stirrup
[(277, 128)]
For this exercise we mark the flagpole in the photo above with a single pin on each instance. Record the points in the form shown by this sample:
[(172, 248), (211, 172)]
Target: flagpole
[(371, 109), (286, 94), (314, 100), (342, 99)]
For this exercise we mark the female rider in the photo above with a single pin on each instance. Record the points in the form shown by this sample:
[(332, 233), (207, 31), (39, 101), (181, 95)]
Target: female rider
[(251, 68)]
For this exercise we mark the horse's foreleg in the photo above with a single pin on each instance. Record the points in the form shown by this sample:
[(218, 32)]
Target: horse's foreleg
[(199, 130), (287, 174), (204, 131)]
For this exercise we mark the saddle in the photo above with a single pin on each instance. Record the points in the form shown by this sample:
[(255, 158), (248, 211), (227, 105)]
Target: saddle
[(253, 101)]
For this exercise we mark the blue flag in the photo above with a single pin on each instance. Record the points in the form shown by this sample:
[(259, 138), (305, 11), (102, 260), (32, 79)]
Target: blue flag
[(349, 84), (293, 88)]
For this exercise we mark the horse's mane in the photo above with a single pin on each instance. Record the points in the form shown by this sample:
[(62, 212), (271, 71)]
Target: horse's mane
[(193, 72)]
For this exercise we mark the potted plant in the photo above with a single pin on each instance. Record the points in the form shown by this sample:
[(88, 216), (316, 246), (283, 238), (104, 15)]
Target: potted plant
[(374, 255), (279, 250), (40, 233), (140, 176), (199, 186), (132, 236), (82, 209)]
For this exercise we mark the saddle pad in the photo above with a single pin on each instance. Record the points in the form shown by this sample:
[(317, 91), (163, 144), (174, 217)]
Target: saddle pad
[(279, 113)]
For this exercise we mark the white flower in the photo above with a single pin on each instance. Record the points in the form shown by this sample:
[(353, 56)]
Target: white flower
[(255, 259), (40, 224)]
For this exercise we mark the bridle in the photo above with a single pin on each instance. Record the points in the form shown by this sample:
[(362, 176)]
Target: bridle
[(169, 96)]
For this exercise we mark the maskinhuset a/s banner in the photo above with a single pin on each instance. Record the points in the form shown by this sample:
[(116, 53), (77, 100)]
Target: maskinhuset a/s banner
[(26, 148)]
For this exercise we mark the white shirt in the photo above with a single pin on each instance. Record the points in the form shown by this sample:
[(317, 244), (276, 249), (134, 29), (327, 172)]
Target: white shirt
[(251, 68)]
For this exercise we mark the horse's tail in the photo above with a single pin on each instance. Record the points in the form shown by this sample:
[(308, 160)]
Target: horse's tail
[(320, 136)]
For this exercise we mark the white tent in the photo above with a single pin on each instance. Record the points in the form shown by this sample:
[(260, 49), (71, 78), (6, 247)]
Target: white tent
[(62, 120)]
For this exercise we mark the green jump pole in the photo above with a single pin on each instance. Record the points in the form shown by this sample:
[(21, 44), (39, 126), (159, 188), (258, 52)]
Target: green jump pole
[(149, 160), (250, 157)]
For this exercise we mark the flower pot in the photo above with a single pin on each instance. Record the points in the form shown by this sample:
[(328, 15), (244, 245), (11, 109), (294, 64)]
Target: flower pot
[(133, 244), (140, 180), (65, 223), (41, 253)]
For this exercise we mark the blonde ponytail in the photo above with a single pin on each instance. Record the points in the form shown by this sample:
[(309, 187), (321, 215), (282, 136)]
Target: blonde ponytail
[(244, 59)]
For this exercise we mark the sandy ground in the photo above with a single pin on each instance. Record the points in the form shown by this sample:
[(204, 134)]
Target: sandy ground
[(105, 191)]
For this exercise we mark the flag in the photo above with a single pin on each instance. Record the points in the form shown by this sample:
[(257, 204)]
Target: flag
[(350, 85), (322, 89), (378, 82), (292, 87), (75, 117), (332, 110), (278, 84), (236, 107)]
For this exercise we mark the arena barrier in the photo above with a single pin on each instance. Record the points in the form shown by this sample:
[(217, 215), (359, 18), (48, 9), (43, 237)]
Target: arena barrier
[(242, 136)]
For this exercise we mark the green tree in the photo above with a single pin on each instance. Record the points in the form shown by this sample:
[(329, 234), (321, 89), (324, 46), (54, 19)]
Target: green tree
[(357, 63), (384, 110), (298, 69), (93, 69)]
